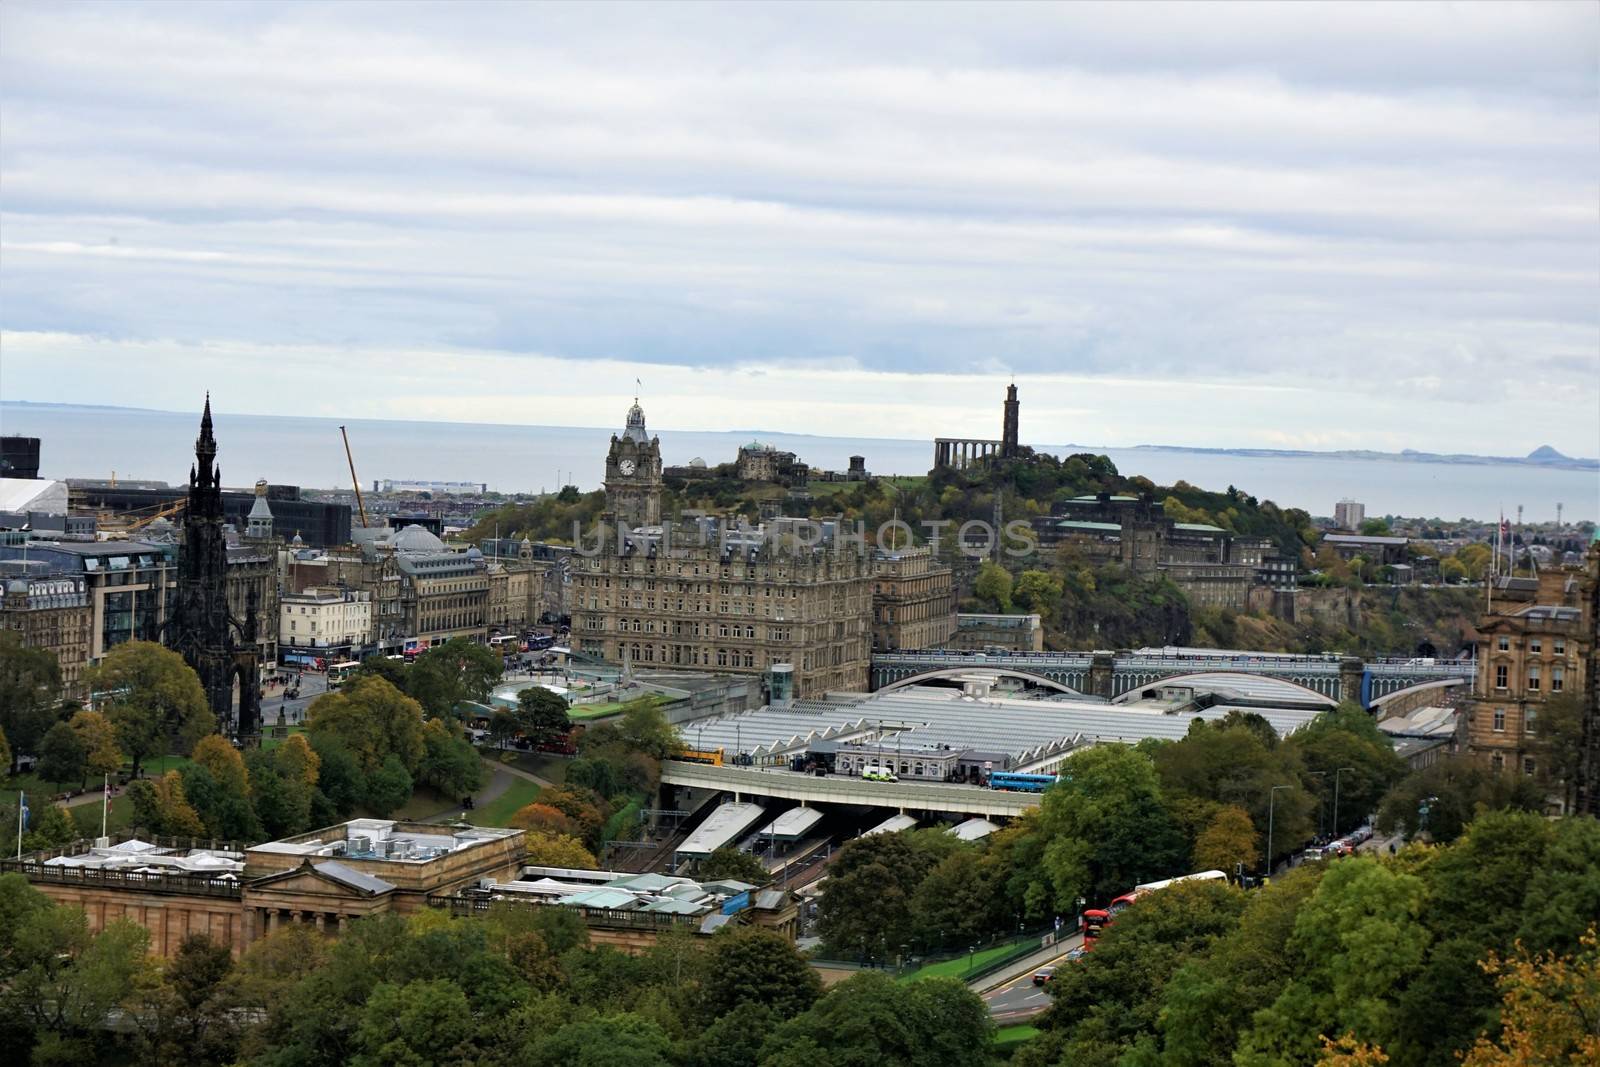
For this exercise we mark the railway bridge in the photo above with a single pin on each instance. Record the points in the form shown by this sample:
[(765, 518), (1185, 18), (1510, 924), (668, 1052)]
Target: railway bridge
[(1113, 675)]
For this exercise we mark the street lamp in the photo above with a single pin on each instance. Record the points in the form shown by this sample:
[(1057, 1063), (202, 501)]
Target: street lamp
[(1336, 774), (1320, 804), (1272, 800)]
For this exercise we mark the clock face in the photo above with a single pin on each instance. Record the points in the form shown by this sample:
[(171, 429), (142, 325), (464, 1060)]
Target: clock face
[(626, 466)]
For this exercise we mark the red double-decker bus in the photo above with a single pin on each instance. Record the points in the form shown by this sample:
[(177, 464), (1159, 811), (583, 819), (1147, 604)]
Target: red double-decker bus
[(1095, 920)]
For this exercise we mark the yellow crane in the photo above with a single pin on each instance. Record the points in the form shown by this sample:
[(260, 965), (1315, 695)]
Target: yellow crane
[(164, 513)]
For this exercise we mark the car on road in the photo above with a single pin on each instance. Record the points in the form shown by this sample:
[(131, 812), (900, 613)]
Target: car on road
[(1044, 975)]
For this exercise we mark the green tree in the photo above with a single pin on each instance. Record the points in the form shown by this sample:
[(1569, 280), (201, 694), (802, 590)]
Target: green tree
[(1106, 827), (61, 755), (1356, 943), (1237, 761), (373, 719), (388, 787), (542, 715), (1228, 842), (67, 981), (993, 586), (1109, 1001), (5, 749), (181, 1010), (557, 850), (447, 674), (450, 766), (728, 862), (154, 700), (282, 803), (621, 1040), (748, 965), (1212, 996), (958, 903), (866, 912), (50, 827), (161, 806), (225, 812), (503, 726), (340, 780), (644, 729), (30, 681), (224, 762), (1558, 746), (1442, 798), (297, 760), (393, 671), (1346, 748), (1038, 591), (99, 739), (419, 1024), (871, 1019)]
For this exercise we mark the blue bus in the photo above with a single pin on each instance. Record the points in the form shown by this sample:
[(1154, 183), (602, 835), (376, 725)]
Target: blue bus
[(1021, 783)]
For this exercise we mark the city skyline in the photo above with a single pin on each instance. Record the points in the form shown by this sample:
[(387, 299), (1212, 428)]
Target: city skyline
[(1338, 227)]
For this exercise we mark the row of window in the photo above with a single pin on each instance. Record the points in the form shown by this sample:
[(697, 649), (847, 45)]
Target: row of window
[(1558, 645), (1530, 720), (1497, 763), (1558, 678)]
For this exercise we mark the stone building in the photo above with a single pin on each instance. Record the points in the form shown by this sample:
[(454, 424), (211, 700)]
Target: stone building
[(548, 569), (129, 585), (1012, 633), (1215, 568), (758, 462), (913, 600), (666, 599), (633, 473), (327, 623), (444, 595), (51, 612), (324, 879), (1527, 654)]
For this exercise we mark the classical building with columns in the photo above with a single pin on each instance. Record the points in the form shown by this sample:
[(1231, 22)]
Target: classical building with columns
[(324, 879), (962, 452)]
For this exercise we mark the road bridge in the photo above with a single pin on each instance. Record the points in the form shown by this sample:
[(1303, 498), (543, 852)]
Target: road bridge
[(744, 782), (1110, 675)]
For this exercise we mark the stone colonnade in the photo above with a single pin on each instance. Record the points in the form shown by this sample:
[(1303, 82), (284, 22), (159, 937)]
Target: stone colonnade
[(960, 452)]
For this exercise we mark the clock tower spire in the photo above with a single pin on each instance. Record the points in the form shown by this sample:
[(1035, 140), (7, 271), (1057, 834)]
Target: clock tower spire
[(633, 473)]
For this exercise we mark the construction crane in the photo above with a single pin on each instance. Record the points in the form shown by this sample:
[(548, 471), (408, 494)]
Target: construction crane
[(360, 506), (165, 513)]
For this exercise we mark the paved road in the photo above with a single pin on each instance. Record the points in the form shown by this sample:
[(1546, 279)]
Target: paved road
[(312, 685), (1010, 994)]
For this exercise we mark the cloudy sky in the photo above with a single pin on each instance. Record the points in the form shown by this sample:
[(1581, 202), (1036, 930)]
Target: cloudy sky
[(1354, 225)]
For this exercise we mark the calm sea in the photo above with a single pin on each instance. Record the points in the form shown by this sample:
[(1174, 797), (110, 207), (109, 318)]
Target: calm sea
[(95, 442)]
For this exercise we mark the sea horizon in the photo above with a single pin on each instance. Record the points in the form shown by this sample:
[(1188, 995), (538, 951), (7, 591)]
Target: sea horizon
[(156, 445)]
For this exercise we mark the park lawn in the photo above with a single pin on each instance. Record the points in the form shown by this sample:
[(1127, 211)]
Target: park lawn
[(586, 712), (498, 811), (270, 743), (546, 765), (118, 817), (156, 766), (1008, 1037), (35, 786), (962, 966), (424, 804)]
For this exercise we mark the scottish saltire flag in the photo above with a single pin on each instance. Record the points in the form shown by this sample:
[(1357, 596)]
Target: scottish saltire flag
[(22, 812)]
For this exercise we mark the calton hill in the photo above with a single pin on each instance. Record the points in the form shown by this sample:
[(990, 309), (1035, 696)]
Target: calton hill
[(1086, 604)]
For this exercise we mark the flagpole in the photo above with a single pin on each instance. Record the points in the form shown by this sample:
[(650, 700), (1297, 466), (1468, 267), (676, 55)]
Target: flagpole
[(105, 801), (22, 807)]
